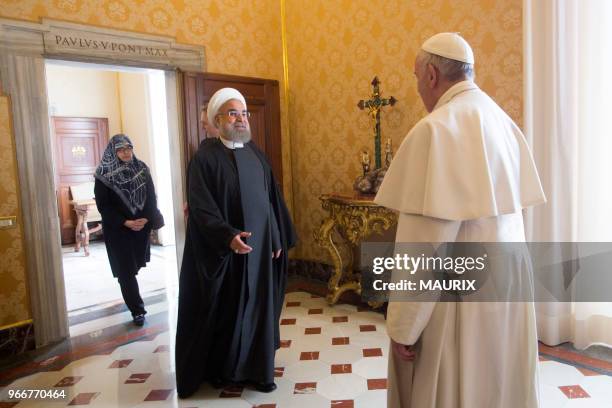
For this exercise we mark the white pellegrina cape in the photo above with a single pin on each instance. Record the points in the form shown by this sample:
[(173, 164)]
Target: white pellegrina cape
[(467, 159), (463, 173)]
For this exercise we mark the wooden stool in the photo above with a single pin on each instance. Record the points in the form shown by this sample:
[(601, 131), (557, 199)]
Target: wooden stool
[(86, 211), (81, 232)]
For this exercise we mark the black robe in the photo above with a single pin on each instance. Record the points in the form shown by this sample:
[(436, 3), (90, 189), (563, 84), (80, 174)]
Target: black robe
[(230, 304), (127, 250)]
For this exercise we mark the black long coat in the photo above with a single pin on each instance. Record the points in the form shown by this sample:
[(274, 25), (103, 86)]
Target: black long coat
[(128, 250), (213, 310)]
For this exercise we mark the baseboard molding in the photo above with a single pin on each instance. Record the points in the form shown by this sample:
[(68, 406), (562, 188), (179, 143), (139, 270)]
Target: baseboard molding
[(16, 340), (317, 271), (312, 277)]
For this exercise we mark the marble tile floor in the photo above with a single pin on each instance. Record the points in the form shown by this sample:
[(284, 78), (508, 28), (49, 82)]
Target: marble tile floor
[(330, 357), (84, 273)]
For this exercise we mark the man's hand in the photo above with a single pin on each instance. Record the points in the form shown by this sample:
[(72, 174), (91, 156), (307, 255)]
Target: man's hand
[(276, 254), (238, 246), (404, 352), (136, 225)]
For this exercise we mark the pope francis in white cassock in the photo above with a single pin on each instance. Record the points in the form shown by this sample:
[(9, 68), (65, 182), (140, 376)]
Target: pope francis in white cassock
[(464, 173)]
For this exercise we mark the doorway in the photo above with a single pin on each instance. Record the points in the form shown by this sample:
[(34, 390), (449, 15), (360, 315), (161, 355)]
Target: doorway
[(88, 104)]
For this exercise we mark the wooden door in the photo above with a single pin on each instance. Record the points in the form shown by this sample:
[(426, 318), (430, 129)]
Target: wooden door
[(263, 101), (78, 147)]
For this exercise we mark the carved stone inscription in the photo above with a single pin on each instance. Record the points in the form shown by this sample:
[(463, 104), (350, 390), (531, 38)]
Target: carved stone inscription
[(107, 47)]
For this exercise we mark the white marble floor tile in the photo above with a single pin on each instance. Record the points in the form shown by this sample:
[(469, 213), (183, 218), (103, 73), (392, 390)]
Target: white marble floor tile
[(342, 386), (107, 321), (307, 371), (599, 386), (306, 401), (315, 376), (558, 374), (551, 397)]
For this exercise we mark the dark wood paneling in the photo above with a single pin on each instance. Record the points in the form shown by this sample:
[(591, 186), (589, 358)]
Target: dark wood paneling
[(262, 97), (78, 147)]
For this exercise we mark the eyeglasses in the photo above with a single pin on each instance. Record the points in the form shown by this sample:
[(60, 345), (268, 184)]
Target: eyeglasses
[(233, 114)]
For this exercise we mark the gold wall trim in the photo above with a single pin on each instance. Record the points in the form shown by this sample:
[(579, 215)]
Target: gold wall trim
[(16, 324), (286, 94), (12, 220), (119, 101)]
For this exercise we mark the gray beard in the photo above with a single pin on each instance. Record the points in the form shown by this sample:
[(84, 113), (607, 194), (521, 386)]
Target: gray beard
[(238, 135)]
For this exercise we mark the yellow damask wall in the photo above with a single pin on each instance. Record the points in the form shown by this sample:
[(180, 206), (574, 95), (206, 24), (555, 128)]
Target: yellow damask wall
[(14, 304), (335, 48), (240, 37)]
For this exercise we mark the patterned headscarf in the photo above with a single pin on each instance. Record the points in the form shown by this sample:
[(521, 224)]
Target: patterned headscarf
[(127, 179)]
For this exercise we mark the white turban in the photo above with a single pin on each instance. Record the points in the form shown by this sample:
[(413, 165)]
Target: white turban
[(219, 98), (449, 45)]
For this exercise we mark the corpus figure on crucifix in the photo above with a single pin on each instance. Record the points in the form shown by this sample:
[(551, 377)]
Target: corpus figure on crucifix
[(374, 105)]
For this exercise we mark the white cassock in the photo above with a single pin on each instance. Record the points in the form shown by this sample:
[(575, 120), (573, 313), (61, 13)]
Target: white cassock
[(463, 173)]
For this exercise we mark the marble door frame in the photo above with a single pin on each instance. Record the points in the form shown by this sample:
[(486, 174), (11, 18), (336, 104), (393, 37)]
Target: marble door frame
[(24, 47)]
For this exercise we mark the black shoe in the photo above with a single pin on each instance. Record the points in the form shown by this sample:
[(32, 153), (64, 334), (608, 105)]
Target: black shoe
[(217, 383), (265, 387), (139, 319)]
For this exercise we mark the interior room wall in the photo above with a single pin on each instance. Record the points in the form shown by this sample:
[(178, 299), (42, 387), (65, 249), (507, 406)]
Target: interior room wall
[(135, 112), (14, 303), (335, 48), (241, 38), (138, 115), (84, 92)]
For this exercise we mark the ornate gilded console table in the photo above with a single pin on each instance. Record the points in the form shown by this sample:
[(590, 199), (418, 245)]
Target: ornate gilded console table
[(353, 217)]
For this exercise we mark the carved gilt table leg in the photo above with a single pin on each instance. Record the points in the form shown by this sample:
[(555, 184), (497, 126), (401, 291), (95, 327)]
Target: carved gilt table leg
[(86, 234), (354, 220), (77, 231), (326, 240)]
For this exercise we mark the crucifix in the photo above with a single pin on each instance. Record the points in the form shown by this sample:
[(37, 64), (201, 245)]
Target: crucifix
[(374, 105)]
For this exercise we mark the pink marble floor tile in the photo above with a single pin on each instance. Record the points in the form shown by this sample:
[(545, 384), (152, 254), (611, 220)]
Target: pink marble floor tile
[(377, 384), (68, 381), (286, 322), (342, 404), (120, 363), (372, 352), (84, 398), (158, 395), (305, 388), (341, 368), (138, 378), (312, 330), (574, 391), (309, 355)]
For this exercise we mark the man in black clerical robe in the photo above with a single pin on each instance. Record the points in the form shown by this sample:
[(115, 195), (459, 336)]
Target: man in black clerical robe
[(233, 276)]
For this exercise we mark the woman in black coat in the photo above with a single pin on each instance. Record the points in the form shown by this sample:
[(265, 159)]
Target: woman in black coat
[(126, 199)]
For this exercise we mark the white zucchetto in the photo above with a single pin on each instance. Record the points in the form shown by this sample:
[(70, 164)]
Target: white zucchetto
[(219, 98), (449, 45)]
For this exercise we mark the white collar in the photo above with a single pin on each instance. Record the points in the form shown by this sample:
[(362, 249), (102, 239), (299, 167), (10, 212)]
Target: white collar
[(231, 145), (454, 90)]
